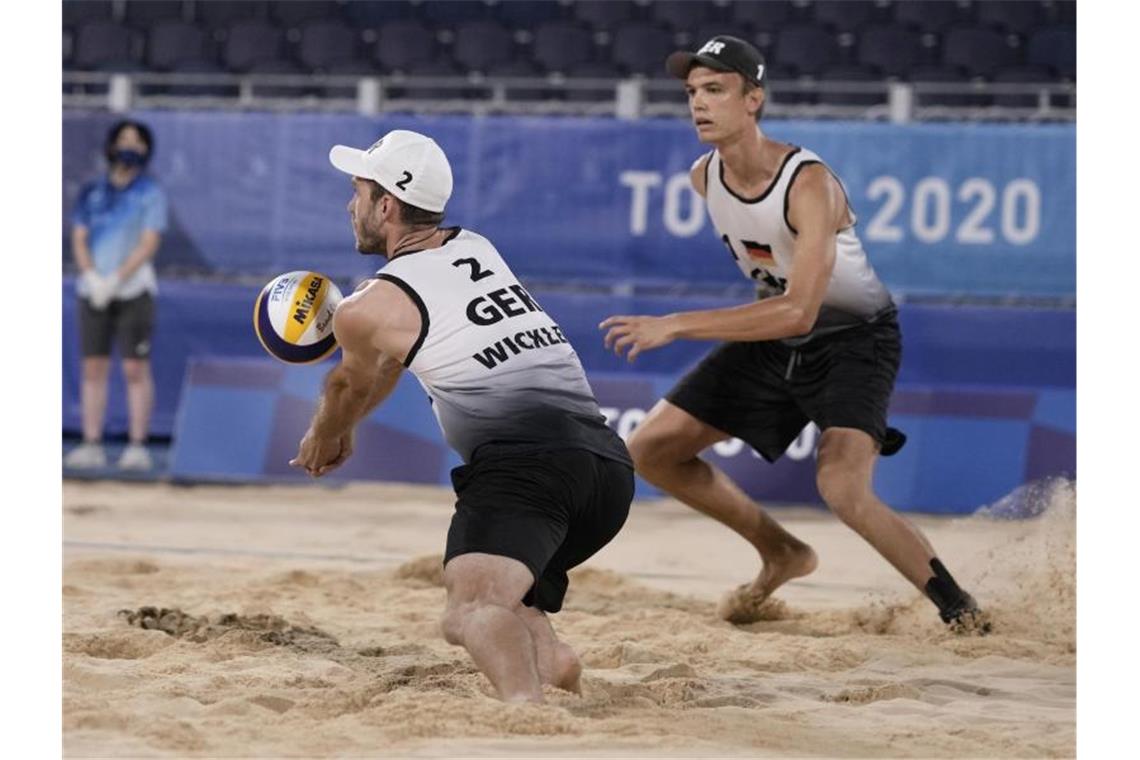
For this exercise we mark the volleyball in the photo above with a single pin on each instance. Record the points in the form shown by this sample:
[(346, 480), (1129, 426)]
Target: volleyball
[(293, 317)]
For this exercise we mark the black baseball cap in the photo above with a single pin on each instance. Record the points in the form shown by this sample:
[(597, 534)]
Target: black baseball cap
[(722, 53)]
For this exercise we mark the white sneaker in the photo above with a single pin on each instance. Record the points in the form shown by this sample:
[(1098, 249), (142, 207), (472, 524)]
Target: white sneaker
[(135, 457), (86, 456)]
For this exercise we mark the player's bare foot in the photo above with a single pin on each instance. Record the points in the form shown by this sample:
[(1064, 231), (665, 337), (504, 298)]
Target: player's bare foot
[(752, 601), (567, 673)]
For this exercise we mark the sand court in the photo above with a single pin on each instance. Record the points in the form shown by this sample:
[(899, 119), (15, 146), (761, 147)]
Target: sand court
[(303, 621)]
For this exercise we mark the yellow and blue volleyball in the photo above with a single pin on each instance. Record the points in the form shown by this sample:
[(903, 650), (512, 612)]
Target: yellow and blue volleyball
[(293, 317)]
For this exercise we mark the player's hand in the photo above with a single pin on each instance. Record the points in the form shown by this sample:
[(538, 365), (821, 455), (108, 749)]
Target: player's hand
[(636, 334), (319, 455), (100, 288)]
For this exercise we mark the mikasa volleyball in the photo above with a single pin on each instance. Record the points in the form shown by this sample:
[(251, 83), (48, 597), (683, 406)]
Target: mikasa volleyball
[(293, 317)]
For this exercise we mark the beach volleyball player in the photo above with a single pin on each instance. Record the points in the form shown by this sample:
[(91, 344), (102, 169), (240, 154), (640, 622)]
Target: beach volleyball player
[(545, 483), (821, 343)]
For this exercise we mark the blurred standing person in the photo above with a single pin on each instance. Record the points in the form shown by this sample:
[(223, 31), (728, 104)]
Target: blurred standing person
[(117, 226)]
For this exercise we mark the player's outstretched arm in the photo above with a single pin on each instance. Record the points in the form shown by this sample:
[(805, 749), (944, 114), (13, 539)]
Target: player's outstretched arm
[(363, 379), (817, 210)]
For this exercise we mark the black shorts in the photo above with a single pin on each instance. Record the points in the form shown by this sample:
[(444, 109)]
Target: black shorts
[(765, 392), (550, 510), (128, 323)]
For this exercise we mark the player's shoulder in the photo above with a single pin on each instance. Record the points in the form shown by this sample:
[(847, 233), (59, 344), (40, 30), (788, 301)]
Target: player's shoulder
[(149, 186), (699, 172), (91, 190)]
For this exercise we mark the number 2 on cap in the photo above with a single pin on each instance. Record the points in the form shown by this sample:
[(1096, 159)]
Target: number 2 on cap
[(403, 183)]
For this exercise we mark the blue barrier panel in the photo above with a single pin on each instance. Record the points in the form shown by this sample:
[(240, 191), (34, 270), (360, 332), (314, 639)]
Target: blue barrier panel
[(966, 448), (979, 209), (959, 346)]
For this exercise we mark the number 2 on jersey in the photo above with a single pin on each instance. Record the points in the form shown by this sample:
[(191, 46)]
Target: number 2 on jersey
[(477, 271)]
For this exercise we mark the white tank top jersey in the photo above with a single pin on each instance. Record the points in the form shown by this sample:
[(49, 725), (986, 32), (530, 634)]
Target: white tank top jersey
[(761, 240), (495, 366)]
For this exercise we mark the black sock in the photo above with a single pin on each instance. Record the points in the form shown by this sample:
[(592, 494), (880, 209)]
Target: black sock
[(945, 592)]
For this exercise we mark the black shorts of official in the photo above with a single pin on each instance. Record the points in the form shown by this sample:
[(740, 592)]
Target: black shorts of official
[(550, 510), (765, 392), (128, 323)]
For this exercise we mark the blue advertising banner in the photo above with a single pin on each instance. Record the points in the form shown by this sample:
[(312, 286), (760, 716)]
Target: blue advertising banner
[(962, 208), (955, 346), (241, 420)]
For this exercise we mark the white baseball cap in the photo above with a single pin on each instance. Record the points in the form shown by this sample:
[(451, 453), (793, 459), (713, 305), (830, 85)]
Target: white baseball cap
[(408, 165)]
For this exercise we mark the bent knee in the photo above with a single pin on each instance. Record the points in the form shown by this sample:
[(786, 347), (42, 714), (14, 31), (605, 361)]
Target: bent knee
[(654, 450), (452, 624)]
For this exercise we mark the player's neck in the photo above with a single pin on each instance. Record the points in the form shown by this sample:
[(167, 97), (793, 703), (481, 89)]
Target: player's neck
[(750, 156), (411, 240), (121, 176)]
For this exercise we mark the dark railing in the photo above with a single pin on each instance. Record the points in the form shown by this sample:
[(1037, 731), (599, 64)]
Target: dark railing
[(631, 98)]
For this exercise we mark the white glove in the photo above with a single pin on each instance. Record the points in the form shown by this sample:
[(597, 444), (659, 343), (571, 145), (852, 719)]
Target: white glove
[(100, 288)]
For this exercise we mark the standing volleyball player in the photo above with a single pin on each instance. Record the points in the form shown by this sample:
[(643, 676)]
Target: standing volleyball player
[(821, 343), (117, 227), (545, 483)]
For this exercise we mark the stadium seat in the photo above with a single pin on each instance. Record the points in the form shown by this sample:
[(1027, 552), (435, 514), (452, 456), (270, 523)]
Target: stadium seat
[(251, 42), (404, 44), (173, 43), (604, 15), (68, 47), (680, 15), (747, 15), (929, 15), (143, 15), (1019, 75), (480, 45), (979, 52), (327, 43), (370, 15), (561, 46), (528, 14), (1064, 12), (1018, 17), (102, 43), (844, 15), (806, 49), (892, 50), (297, 13), (706, 31), (76, 12), (219, 14), (848, 73), (641, 48), (451, 14), (1055, 47)]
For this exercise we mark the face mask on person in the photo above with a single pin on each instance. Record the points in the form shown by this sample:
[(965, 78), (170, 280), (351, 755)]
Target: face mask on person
[(129, 158)]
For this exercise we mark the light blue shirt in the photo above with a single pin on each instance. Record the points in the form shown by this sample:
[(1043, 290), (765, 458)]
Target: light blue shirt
[(115, 219)]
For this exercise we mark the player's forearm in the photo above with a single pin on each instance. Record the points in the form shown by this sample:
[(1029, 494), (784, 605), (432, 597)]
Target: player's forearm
[(80, 251), (348, 398), (770, 319), (142, 253)]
